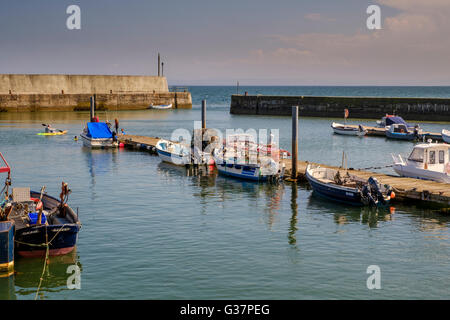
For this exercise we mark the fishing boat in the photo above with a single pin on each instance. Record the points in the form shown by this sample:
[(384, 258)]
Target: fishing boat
[(402, 132), (98, 135), (161, 106), (429, 161), (41, 222), (446, 135), (348, 189), (348, 130)]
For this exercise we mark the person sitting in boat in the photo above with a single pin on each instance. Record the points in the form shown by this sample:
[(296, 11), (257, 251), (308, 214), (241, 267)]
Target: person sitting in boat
[(416, 130)]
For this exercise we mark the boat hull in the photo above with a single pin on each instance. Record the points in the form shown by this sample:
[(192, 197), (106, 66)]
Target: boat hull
[(417, 173), (98, 143), (252, 173), (347, 131), (333, 192), (446, 136), (51, 133), (6, 248), (30, 241), (161, 107), (173, 158), (400, 136)]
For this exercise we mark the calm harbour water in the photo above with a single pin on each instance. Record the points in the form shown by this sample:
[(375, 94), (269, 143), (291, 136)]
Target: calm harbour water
[(152, 232)]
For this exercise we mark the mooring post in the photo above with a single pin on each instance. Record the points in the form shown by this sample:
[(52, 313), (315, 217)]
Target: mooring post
[(159, 64), (294, 141), (92, 108), (203, 115)]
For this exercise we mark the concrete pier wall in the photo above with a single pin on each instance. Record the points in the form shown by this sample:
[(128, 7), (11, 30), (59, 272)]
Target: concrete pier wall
[(54, 92), (80, 102), (77, 84), (420, 109)]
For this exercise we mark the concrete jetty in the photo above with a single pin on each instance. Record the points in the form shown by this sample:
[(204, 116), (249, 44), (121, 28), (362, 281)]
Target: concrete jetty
[(57, 92), (418, 109)]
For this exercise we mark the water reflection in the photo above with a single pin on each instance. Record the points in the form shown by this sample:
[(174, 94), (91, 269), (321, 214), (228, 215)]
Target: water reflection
[(28, 271), (7, 288), (100, 161), (293, 221), (363, 215)]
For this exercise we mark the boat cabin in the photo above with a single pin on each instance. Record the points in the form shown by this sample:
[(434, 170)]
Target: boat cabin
[(431, 156)]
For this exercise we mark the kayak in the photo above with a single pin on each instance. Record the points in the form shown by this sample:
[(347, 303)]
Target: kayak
[(51, 133)]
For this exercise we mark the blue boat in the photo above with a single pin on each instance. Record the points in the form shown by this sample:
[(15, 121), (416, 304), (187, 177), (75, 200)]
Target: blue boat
[(401, 132), (6, 248), (347, 189)]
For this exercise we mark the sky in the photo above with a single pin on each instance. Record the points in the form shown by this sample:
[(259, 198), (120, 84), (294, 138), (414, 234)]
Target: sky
[(211, 42)]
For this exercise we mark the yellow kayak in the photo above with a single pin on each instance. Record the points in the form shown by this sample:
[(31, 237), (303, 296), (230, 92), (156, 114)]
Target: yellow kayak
[(52, 133)]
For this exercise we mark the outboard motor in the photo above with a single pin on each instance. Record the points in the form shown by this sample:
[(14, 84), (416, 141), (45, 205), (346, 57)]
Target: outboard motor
[(375, 190), (367, 196)]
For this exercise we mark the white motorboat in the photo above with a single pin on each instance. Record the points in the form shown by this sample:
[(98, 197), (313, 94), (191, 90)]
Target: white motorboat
[(446, 135), (98, 135), (242, 158), (173, 152), (348, 130), (161, 106), (429, 161)]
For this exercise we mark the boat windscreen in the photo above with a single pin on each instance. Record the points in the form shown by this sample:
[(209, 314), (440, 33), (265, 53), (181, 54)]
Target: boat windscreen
[(417, 155)]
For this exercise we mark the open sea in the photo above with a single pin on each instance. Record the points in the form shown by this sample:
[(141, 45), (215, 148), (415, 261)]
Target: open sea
[(151, 231)]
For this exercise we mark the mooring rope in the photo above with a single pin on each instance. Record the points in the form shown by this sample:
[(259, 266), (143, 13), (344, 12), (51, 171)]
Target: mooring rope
[(376, 168), (47, 251)]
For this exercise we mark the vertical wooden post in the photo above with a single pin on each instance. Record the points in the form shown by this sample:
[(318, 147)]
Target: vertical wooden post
[(294, 142), (92, 108), (203, 114)]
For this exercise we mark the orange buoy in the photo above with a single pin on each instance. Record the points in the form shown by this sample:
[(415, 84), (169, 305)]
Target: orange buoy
[(392, 195)]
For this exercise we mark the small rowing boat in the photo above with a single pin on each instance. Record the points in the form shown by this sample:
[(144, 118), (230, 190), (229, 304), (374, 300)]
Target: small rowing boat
[(348, 130), (161, 106)]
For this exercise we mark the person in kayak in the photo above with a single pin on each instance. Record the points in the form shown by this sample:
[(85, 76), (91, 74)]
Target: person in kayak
[(50, 129)]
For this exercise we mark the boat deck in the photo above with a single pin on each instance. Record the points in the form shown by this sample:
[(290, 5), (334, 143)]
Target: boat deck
[(404, 188)]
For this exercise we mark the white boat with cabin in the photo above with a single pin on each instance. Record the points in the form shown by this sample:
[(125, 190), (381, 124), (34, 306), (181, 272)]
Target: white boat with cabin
[(429, 161)]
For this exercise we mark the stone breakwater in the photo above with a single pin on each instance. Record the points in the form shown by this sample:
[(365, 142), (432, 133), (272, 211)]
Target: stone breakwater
[(28, 93), (419, 109)]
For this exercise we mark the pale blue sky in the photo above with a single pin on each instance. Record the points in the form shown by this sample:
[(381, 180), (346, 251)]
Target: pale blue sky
[(286, 42)]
